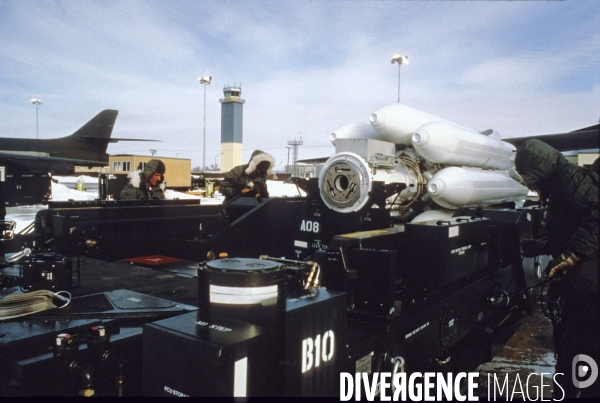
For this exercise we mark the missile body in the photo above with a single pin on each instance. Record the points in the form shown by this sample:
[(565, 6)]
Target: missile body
[(396, 123), (360, 130), (446, 143), (455, 187), (346, 179)]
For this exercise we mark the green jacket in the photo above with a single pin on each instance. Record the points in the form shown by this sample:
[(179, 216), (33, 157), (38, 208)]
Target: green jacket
[(243, 176)]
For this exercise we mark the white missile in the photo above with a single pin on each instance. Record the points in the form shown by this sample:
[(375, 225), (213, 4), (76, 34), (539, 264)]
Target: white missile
[(441, 214), (396, 123), (360, 130), (455, 187), (446, 143)]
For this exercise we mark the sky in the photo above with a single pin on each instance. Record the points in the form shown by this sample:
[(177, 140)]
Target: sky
[(305, 68)]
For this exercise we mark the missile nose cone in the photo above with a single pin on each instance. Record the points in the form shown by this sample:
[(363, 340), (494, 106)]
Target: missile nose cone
[(420, 138), (436, 187), (377, 119)]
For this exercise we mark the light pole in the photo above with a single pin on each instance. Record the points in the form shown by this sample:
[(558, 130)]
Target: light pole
[(205, 80), (400, 60), (216, 160), (37, 102)]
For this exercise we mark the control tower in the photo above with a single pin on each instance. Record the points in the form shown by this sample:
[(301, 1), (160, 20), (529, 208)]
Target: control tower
[(232, 117)]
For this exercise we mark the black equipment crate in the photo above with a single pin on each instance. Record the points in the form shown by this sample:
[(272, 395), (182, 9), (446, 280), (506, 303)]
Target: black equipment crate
[(365, 265), (295, 351), (442, 252), (47, 271), (198, 354)]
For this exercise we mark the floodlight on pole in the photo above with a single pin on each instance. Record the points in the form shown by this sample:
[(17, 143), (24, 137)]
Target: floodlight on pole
[(37, 102), (216, 160), (205, 80), (400, 60)]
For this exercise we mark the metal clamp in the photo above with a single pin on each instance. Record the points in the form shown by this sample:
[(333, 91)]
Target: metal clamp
[(443, 362), (537, 267), (398, 367), (18, 256)]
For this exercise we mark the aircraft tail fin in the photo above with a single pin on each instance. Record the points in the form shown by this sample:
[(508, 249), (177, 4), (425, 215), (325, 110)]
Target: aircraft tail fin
[(91, 140), (99, 127)]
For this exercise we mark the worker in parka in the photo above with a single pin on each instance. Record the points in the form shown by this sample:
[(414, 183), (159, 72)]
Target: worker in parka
[(146, 184), (570, 193), (249, 180)]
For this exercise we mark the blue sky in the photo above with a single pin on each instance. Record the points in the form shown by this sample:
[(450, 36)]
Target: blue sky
[(305, 67)]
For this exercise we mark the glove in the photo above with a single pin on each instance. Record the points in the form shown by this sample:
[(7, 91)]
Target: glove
[(532, 247), (565, 261), (259, 198)]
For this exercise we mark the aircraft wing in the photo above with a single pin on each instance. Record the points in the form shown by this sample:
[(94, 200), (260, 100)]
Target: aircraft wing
[(39, 157), (582, 139), (320, 160), (111, 139)]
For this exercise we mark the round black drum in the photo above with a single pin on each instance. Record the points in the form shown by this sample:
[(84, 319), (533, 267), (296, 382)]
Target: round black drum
[(239, 283)]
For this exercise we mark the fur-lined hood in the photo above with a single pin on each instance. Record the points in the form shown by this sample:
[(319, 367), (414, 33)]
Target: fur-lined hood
[(257, 157), (135, 178), (153, 166)]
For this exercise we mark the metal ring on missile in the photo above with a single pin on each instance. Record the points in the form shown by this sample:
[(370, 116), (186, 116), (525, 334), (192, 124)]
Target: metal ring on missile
[(345, 182)]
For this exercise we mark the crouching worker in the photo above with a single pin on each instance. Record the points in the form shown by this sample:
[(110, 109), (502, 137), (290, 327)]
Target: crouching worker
[(248, 180), (146, 184)]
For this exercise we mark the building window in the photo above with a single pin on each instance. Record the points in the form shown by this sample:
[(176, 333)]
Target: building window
[(126, 166), (116, 166)]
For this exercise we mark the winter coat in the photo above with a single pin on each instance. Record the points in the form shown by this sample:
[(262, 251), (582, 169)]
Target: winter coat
[(137, 188), (247, 176), (571, 227), (572, 192)]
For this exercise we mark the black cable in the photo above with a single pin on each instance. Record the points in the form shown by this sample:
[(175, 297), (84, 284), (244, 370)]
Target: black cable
[(581, 297), (546, 313), (554, 302)]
